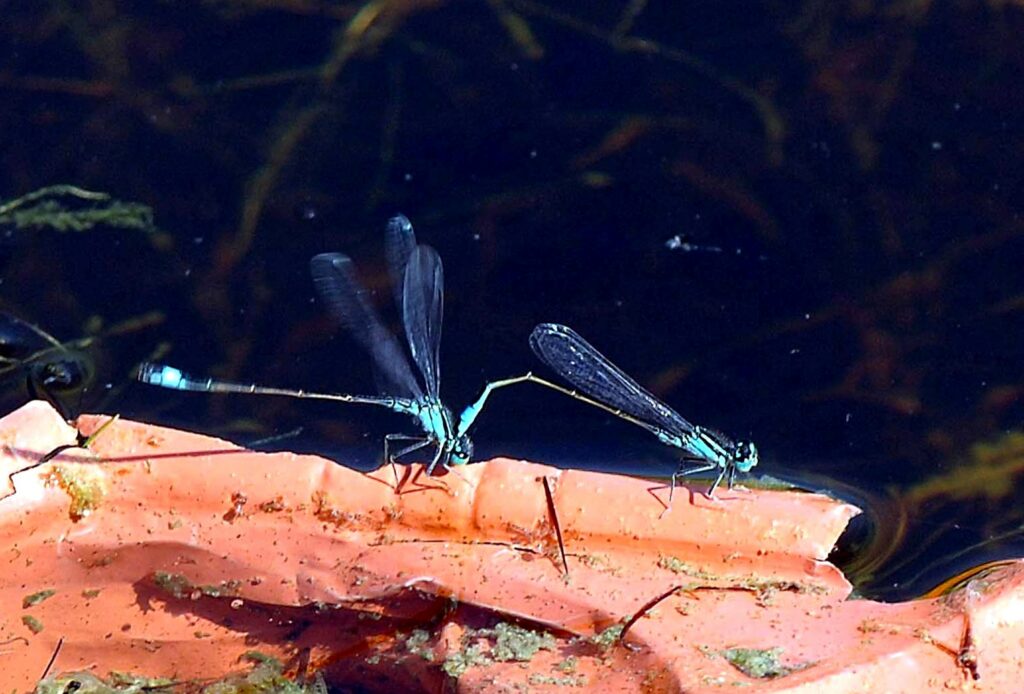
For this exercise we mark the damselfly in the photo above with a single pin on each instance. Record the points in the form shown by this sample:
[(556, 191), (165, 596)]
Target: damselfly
[(55, 371), (610, 389), (60, 372), (418, 282)]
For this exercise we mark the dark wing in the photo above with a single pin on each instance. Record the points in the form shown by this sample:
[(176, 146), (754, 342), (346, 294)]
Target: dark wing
[(335, 280), (578, 362), (399, 242), (422, 311)]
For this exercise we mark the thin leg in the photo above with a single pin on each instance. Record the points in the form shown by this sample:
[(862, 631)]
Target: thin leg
[(421, 471), (438, 455), (718, 480), (684, 473), (414, 447), (390, 458)]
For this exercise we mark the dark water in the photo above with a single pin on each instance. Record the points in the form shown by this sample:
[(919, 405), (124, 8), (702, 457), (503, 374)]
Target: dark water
[(796, 222)]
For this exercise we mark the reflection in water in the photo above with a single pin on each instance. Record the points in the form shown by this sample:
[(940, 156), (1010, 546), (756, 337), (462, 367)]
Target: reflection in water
[(943, 531), (36, 364), (48, 369)]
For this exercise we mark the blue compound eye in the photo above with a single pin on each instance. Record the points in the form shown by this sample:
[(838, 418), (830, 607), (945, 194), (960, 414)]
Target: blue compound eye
[(746, 456), (463, 451)]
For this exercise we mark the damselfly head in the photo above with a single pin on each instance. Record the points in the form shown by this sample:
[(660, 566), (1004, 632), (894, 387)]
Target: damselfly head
[(462, 452), (745, 456), (62, 375)]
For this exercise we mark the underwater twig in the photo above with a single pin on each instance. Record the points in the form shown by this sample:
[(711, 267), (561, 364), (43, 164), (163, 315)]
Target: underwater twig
[(258, 189), (51, 191), (630, 13), (518, 30), (771, 119), (41, 209), (354, 37)]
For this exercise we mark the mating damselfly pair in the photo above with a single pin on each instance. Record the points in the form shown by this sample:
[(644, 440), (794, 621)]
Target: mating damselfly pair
[(418, 284)]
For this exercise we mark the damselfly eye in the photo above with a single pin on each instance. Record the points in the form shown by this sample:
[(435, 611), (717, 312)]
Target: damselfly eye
[(746, 456), (463, 451), (59, 375)]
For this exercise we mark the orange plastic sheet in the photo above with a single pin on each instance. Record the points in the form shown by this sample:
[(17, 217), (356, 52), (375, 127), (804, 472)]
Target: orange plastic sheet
[(170, 554)]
